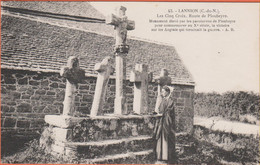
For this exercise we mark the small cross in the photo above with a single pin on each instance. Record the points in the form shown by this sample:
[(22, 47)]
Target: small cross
[(140, 77), (72, 72), (74, 75), (104, 70), (121, 24), (163, 80)]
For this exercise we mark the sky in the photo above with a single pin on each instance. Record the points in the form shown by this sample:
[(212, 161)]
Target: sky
[(218, 61)]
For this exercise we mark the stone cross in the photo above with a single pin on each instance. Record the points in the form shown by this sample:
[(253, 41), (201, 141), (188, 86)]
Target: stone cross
[(163, 80), (140, 78), (74, 75), (104, 70), (121, 24)]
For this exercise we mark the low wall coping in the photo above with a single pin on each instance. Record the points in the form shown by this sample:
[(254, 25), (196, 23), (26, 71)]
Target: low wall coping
[(64, 121), (218, 124)]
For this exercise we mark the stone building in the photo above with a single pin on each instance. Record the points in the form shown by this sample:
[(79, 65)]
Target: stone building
[(38, 37)]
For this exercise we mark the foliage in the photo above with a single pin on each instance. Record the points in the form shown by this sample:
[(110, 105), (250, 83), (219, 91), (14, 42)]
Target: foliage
[(230, 105), (46, 139), (32, 153), (228, 146)]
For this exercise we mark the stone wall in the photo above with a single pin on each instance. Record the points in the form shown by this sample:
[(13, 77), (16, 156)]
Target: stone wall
[(27, 96), (234, 147)]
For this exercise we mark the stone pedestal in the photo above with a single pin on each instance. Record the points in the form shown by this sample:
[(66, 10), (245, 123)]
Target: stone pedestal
[(104, 139), (120, 100)]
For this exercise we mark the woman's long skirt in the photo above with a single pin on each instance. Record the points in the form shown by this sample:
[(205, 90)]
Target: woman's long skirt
[(165, 149)]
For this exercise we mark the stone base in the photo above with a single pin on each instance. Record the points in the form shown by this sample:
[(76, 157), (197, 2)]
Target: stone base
[(101, 127), (62, 121), (105, 139)]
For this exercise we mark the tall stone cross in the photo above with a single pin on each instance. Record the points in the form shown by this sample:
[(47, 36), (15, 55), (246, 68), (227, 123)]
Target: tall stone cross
[(163, 80), (104, 70), (74, 75), (140, 78), (121, 24)]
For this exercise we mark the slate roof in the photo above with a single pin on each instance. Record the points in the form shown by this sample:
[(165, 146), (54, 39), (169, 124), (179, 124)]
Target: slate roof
[(67, 8), (44, 44)]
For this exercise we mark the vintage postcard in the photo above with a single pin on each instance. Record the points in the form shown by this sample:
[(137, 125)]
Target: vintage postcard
[(129, 82)]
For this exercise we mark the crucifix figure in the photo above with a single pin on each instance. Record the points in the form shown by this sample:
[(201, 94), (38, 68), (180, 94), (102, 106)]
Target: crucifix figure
[(74, 75), (163, 80), (104, 70), (140, 78), (121, 24)]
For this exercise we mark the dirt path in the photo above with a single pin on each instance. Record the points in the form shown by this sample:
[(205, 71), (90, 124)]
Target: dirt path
[(220, 124)]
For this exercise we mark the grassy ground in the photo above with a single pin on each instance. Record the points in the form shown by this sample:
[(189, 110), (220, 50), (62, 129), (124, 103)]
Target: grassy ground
[(199, 153), (206, 153), (32, 153)]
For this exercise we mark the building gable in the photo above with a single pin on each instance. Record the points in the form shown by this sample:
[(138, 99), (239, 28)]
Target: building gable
[(44, 44)]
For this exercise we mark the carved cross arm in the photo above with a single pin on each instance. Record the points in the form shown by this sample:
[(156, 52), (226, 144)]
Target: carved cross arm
[(113, 20), (73, 75), (105, 65), (116, 21), (163, 80), (130, 25), (135, 76)]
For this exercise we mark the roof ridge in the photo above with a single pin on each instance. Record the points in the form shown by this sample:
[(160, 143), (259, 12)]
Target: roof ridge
[(51, 14), (53, 23), (85, 30), (83, 9), (177, 79)]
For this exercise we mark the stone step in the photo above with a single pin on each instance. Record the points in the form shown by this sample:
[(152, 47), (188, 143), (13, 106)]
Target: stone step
[(141, 157), (90, 150)]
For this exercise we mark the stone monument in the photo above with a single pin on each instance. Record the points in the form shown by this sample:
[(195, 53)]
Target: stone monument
[(73, 75), (164, 79), (104, 70), (122, 24), (140, 78), (102, 139)]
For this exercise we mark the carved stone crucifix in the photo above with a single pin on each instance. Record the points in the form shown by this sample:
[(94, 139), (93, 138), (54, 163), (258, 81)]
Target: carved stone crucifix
[(104, 70), (140, 78), (164, 79), (74, 75), (121, 24)]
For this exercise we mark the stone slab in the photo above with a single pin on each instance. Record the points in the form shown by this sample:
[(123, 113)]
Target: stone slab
[(62, 134), (68, 121), (58, 149), (142, 157), (110, 147), (62, 121)]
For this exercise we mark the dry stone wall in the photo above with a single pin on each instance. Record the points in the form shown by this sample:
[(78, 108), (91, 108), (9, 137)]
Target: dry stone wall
[(27, 96)]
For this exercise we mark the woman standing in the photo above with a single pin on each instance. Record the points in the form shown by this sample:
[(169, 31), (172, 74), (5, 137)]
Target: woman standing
[(165, 130)]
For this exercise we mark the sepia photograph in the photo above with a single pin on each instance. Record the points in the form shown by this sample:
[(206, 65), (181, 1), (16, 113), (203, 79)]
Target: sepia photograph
[(86, 82)]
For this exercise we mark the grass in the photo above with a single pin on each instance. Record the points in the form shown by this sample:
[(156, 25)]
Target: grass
[(32, 153), (200, 152)]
